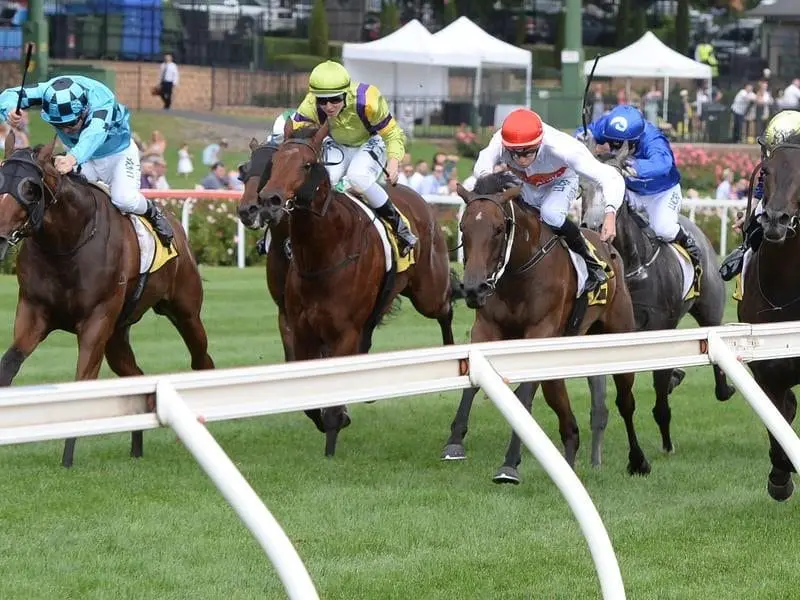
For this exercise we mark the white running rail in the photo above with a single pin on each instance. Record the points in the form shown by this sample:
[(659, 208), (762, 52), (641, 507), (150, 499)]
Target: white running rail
[(58, 411)]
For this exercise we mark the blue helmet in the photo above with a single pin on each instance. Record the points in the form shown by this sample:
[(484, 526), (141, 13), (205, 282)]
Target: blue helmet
[(63, 102), (624, 124)]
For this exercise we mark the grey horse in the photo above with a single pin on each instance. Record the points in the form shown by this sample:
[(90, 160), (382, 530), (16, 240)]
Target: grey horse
[(654, 277)]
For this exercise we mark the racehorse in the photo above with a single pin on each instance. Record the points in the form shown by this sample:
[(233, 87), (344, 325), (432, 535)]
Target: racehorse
[(338, 288), (519, 279), (771, 293), (254, 174), (655, 279), (78, 271)]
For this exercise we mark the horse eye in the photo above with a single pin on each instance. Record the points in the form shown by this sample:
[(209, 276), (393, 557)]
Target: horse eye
[(307, 166)]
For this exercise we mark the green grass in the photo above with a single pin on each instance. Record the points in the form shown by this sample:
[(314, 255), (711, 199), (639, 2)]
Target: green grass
[(385, 518)]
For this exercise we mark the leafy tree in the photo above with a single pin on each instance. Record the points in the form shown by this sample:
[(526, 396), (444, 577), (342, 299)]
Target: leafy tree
[(318, 30), (390, 18)]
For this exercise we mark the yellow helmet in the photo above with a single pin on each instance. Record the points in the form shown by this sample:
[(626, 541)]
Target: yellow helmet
[(328, 79), (782, 128)]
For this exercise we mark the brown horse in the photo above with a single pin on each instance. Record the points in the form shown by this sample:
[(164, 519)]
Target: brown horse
[(772, 294), (254, 174), (78, 270), (521, 282), (338, 289)]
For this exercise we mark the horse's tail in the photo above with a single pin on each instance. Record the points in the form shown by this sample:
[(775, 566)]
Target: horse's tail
[(456, 287)]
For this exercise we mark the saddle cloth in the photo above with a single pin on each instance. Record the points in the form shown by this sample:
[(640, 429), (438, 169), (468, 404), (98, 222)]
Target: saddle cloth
[(152, 253), (691, 286), (599, 296), (387, 236), (739, 289)]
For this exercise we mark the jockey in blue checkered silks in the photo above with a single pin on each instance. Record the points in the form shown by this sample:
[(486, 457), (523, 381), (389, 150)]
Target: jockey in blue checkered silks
[(95, 129)]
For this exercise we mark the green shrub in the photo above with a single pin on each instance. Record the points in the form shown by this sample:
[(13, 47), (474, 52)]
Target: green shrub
[(276, 46), (318, 31)]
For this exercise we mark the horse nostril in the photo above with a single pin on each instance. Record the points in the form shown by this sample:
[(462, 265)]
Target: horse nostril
[(275, 200), (484, 287)]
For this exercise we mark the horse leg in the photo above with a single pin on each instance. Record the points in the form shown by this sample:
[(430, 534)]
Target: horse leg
[(661, 411), (286, 335), (708, 313), (637, 463), (508, 471), (482, 331), (335, 418), (30, 328), (446, 325), (779, 483), (183, 311), (598, 416), (93, 334), (122, 361)]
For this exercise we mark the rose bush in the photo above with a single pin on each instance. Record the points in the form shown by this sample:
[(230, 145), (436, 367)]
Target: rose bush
[(702, 169)]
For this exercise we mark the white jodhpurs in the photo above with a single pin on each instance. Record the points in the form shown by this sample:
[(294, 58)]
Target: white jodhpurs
[(553, 199), (123, 174), (662, 211), (362, 170)]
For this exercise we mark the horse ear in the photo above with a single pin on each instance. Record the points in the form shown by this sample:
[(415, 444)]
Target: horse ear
[(465, 194), (10, 143), (321, 134), (510, 193), (253, 144), (288, 128), (46, 153)]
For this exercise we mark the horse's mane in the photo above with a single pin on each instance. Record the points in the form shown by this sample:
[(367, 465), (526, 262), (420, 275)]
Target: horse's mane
[(305, 133), (493, 183)]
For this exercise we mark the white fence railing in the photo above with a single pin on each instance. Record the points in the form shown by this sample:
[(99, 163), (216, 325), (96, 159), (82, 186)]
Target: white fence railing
[(57, 411)]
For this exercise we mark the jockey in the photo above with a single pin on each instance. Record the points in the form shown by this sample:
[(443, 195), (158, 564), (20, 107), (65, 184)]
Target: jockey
[(95, 128), (782, 128), (651, 176), (549, 162), (276, 137), (363, 132)]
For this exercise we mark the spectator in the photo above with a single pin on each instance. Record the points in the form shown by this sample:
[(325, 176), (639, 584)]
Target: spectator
[(169, 80), (791, 95), (406, 175), (652, 103), (418, 178), (159, 173), (212, 152), (216, 179), (147, 177), (158, 144), (740, 106), (233, 181), (764, 102), (185, 166), (724, 188)]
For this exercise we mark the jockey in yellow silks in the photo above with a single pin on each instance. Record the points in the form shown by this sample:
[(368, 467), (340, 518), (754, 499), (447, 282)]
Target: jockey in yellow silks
[(363, 133)]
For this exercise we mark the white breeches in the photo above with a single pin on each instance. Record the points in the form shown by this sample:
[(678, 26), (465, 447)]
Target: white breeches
[(122, 173), (358, 164), (553, 199), (662, 210)]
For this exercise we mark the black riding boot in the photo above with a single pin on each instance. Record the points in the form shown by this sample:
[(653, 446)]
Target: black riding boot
[(577, 243), (407, 239), (160, 224), (733, 264), (688, 243)]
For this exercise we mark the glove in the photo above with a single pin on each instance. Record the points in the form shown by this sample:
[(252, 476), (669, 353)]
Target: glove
[(584, 136), (629, 168)]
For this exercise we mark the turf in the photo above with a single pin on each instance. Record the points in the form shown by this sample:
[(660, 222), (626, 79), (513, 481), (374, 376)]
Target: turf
[(385, 518)]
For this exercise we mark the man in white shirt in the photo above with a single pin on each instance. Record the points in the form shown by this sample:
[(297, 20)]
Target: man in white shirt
[(169, 80), (791, 96), (739, 107)]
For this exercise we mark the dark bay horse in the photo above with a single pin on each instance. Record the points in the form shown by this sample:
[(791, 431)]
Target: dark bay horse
[(521, 282), (654, 277), (77, 269), (772, 294), (254, 174), (337, 288)]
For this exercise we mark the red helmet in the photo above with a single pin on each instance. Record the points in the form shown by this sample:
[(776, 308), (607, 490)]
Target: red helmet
[(522, 128)]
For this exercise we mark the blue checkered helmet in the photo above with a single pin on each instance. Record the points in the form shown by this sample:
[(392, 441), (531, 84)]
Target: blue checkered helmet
[(63, 102)]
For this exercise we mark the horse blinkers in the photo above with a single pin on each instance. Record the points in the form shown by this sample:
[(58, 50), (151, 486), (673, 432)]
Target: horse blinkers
[(15, 173)]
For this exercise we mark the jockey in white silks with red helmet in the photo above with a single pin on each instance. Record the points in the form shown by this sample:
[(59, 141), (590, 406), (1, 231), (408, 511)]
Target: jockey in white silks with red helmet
[(549, 162)]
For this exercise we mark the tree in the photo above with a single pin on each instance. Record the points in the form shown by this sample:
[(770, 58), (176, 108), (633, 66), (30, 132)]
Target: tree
[(390, 18), (682, 27), (450, 11), (561, 35), (623, 22), (318, 30)]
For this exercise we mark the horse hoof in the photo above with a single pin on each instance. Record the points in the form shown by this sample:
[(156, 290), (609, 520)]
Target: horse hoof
[(725, 393), (453, 452), (668, 450), (345, 421), (676, 379), (507, 474), (780, 492), (643, 468)]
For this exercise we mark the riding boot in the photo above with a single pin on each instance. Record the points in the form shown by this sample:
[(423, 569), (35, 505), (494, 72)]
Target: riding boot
[(577, 243), (688, 243), (160, 224), (388, 212), (733, 264)]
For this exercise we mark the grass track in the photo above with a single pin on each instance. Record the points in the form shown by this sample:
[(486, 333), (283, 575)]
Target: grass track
[(385, 519)]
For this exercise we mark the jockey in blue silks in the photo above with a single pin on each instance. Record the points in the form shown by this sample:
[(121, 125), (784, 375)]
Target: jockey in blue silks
[(651, 176)]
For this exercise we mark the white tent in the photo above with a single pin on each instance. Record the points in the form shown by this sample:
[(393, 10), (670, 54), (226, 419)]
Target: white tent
[(648, 57), (408, 63), (468, 39)]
